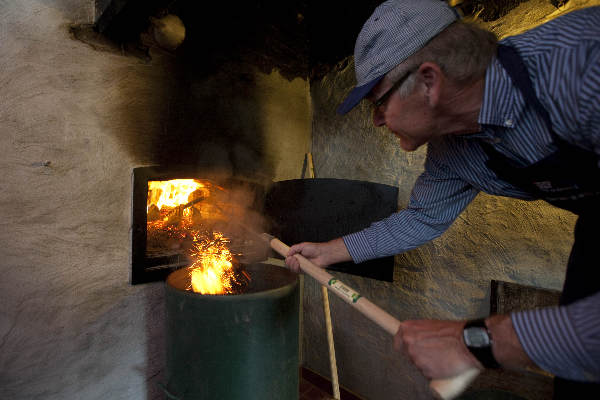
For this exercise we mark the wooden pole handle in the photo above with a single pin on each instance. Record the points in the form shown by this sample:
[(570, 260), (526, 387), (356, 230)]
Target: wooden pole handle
[(335, 385), (447, 389)]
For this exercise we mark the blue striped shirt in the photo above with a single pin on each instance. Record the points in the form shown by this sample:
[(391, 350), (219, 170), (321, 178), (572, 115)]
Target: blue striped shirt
[(563, 58)]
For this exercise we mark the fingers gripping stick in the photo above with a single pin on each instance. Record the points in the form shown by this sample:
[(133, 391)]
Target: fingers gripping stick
[(447, 389)]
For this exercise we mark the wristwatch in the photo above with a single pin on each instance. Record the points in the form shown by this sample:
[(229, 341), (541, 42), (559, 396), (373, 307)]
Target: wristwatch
[(479, 342)]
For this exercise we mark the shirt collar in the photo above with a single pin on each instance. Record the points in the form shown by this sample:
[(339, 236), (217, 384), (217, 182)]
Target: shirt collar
[(502, 103)]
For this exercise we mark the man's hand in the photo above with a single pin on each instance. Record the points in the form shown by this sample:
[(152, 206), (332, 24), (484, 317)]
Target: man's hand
[(435, 347), (320, 254)]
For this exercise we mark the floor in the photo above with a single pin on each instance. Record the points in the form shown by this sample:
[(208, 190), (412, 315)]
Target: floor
[(308, 391), (315, 387)]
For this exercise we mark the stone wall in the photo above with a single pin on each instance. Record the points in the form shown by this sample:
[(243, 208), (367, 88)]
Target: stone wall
[(494, 239)]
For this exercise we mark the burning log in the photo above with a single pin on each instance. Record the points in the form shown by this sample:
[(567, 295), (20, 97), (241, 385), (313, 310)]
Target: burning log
[(153, 213)]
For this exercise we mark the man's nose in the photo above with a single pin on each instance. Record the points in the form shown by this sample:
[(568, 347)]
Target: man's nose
[(378, 117)]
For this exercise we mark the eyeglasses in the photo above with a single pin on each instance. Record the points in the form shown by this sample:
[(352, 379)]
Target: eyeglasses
[(384, 97)]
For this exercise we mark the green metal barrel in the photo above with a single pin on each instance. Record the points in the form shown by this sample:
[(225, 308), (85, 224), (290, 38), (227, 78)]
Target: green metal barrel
[(230, 347)]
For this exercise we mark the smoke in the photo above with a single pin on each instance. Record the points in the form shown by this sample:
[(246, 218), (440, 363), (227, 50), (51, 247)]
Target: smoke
[(240, 204)]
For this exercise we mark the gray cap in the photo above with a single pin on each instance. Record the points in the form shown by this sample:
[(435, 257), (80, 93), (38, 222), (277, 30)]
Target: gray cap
[(395, 31)]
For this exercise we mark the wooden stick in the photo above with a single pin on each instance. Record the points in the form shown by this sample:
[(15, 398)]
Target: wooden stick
[(332, 362), (310, 165), (335, 385), (447, 389)]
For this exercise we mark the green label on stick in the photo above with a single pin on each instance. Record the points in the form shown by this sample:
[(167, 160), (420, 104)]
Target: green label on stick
[(344, 291)]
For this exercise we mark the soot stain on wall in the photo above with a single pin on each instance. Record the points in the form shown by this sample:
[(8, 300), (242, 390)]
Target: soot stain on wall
[(171, 115)]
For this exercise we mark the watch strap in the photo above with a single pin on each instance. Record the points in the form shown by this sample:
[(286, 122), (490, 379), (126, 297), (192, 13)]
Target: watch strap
[(484, 354)]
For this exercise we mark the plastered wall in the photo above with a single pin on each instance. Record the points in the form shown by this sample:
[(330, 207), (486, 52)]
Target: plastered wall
[(74, 121)]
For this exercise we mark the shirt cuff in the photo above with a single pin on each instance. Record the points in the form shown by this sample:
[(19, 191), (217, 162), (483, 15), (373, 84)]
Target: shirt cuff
[(549, 338), (358, 246)]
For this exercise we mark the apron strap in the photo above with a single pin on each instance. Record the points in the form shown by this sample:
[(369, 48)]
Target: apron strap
[(512, 62)]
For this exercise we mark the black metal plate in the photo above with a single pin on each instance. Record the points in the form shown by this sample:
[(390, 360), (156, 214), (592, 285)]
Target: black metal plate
[(317, 210)]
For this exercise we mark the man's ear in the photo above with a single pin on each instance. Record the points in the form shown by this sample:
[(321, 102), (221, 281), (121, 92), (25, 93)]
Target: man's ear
[(432, 77)]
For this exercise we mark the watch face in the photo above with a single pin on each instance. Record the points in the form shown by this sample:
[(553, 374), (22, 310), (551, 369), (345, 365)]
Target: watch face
[(476, 337)]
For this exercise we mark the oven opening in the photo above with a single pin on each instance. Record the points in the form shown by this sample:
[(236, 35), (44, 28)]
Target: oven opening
[(191, 219)]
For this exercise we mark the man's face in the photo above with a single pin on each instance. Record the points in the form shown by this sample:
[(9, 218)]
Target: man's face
[(410, 118)]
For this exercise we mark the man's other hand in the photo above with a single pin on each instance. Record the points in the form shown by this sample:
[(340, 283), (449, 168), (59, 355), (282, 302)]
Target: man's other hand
[(435, 347), (320, 254)]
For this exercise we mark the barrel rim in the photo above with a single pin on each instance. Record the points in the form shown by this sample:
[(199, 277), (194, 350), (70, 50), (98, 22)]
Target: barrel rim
[(275, 292)]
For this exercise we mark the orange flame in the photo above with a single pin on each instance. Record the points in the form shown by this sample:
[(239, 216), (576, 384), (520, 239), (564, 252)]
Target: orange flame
[(212, 271), (171, 193)]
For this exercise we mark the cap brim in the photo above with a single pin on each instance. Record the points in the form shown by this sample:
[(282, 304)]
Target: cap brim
[(356, 95)]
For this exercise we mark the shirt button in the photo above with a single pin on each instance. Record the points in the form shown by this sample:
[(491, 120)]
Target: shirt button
[(496, 140), (509, 122)]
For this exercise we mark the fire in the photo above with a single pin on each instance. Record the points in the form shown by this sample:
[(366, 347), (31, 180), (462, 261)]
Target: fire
[(183, 217), (176, 209), (172, 193), (212, 271)]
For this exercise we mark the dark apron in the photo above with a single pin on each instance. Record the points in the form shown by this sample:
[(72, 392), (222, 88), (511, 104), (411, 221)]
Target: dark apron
[(569, 179)]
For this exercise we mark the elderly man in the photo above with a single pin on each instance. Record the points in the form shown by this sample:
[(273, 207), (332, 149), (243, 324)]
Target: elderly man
[(519, 118)]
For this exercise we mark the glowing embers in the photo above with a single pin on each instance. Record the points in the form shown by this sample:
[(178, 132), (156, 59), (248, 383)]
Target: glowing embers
[(212, 271)]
